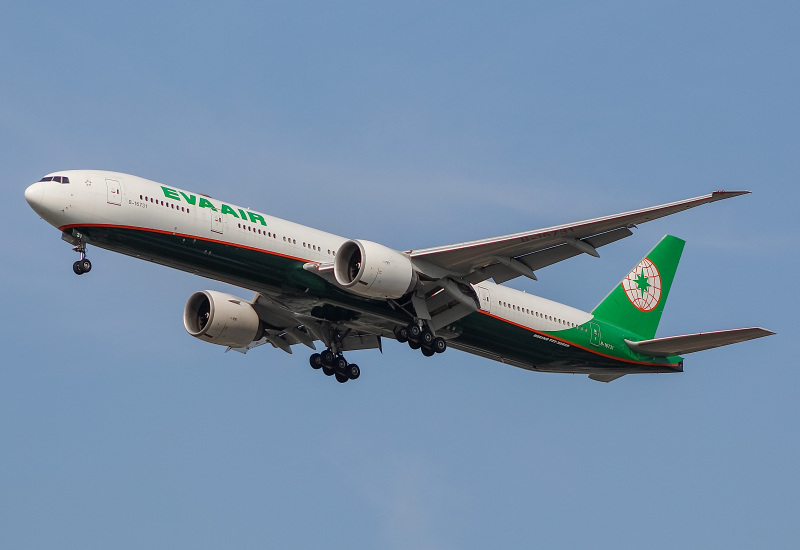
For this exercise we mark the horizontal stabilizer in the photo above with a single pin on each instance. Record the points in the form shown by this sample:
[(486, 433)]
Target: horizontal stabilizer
[(690, 343)]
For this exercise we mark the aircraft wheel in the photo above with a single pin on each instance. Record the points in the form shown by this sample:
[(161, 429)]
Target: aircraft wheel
[(414, 345), (77, 268), (341, 378), (86, 265), (413, 331), (327, 357), (339, 365), (401, 335), (439, 345), (326, 370), (428, 352), (315, 360), (427, 338), (353, 371)]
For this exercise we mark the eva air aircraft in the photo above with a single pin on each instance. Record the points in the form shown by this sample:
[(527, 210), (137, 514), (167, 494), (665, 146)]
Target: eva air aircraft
[(311, 286)]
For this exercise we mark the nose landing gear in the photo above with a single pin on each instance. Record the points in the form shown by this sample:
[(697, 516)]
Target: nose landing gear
[(83, 265)]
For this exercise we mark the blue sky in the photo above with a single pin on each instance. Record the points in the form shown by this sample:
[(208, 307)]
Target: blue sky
[(413, 124)]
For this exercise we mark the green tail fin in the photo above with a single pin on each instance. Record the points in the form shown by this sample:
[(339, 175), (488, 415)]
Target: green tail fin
[(637, 302)]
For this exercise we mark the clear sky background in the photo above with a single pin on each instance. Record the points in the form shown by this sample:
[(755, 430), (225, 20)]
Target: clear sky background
[(413, 124)]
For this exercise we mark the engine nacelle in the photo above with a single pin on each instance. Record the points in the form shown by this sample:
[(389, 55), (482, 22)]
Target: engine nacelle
[(221, 319), (374, 270)]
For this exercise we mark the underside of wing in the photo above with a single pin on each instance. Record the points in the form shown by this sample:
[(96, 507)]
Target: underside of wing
[(504, 258), (283, 329), (690, 343)]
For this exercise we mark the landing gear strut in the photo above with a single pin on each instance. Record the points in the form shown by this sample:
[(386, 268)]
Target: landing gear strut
[(420, 336), (83, 265)]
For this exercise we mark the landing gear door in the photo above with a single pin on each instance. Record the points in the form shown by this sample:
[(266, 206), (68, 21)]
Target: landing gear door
[(216, 222), (114, 192)]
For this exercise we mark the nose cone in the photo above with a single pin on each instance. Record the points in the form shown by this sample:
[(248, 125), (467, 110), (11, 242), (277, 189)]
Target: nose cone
[(34, 195)]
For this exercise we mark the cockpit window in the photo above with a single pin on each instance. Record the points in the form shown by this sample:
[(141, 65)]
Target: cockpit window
[(59, 179), (48, 178), (64, 179)]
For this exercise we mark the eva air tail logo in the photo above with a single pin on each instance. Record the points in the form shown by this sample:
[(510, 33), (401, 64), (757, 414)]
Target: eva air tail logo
[(643, 286)]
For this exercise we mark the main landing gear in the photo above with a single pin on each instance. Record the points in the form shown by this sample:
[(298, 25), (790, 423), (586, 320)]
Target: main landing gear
[(335, 365), (421, 337), (83, 265)]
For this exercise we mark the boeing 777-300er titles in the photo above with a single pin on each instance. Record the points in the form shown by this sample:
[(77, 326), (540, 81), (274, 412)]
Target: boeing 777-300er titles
[(311, 286)]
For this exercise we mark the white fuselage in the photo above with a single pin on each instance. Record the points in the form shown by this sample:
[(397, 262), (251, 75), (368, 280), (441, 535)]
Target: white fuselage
[(115, 199)]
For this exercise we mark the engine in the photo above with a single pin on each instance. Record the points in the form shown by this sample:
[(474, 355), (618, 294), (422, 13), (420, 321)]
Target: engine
[(221, 319), (373, 270)]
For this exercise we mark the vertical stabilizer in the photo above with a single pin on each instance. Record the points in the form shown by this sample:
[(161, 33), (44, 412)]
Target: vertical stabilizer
[(637, 302)]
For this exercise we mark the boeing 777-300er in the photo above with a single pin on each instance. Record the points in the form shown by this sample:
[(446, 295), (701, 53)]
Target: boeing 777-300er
[(311, 286)]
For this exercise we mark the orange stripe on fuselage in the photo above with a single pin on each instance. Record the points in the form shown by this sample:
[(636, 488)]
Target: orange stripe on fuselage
[(161, 231), (529, 329)]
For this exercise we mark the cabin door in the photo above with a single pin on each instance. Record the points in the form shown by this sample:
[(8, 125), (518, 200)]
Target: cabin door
[(114, 193), (594, 337), (216, 222)]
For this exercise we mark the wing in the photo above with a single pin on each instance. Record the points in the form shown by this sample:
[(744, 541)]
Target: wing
[(520, 254)]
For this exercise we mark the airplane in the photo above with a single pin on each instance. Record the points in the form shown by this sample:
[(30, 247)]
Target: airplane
[(350, 294)]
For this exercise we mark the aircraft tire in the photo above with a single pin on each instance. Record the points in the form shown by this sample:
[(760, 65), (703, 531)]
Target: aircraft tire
[(428, 352), (341, 378), (86, 265), (401, 335), (413, 331), (439, 345), (339, 365), (353, 372), (327, 357), (315, 360), (326, 370), (414, 345), (426, 338), (77, 268)]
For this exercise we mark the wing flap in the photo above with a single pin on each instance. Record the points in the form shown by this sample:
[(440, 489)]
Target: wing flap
[(690, 343)]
